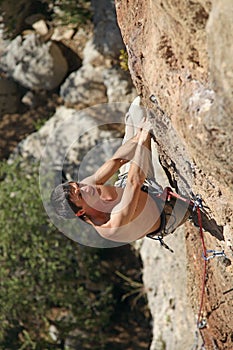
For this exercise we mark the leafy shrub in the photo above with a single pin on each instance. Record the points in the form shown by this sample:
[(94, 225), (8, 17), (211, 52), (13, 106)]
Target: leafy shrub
[(45, 279), (123, 58), (72, 11)]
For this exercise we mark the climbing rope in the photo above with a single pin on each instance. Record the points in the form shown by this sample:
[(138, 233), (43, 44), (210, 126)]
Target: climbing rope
[(202, 324), (197, 205)]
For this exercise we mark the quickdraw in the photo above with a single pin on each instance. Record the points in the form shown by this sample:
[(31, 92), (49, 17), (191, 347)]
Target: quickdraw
[(207, 254), (197, 205)]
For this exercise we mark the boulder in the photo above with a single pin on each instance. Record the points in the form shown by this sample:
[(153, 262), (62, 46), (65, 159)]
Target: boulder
[(119, 85), (68, 136), (97, 81), (84, 86), (35, 64)]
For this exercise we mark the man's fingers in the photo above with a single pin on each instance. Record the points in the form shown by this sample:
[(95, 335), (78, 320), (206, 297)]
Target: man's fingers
[(147, 125)]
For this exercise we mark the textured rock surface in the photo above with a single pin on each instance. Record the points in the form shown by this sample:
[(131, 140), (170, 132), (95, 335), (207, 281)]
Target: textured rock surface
[(99, 79), (71, 134), (181, 51), (85, 86), (173, 320), (108, 38), (35, 64), (119, 85)]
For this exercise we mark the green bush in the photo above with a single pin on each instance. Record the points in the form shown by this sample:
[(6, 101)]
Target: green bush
[(123, 59), (45, 279), (72, 11)]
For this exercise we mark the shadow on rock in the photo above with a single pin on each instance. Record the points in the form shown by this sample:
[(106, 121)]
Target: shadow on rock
[(208, 224)]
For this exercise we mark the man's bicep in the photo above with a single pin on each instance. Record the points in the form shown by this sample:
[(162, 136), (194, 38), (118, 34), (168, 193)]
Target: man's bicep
[(105, 172), (123, 155)]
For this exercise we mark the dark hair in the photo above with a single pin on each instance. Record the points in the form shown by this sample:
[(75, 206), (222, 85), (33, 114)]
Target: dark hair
[(60, 200)]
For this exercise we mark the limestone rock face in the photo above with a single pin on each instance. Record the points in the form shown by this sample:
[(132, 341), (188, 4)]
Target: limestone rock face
[(181, 52), (97, 81), (119, 85), (35, 64), (108, 38), (70, 134), (173, 320), (85, 86)]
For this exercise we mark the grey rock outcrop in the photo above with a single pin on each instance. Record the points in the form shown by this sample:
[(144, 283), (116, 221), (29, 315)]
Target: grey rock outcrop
[(67, 137), (35, 64), (97, 81), (84, 86), (118, 85), (108, 39), (173, 320)]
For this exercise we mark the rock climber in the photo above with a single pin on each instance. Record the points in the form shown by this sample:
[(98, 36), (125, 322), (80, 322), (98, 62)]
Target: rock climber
[(132, 208)]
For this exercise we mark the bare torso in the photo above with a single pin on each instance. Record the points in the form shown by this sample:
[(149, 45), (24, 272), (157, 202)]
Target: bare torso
[(145, 219)]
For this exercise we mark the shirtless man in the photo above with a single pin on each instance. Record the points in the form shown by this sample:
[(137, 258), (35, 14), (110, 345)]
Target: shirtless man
[(120, 214)]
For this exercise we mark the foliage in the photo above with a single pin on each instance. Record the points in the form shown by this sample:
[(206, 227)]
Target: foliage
[(15, 13), (134, 288), (73, 11), (39, 123), (45, 279), (124, 60)]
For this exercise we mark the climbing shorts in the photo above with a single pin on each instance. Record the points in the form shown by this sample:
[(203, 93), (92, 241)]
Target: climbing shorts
[(173, 213)]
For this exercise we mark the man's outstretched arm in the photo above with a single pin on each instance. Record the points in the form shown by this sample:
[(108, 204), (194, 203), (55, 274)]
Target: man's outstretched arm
[(125, 210), (136, 177), (124, 154)]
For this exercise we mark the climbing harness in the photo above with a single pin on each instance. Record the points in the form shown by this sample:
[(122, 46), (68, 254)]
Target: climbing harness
[(165, 197), (161, 241)]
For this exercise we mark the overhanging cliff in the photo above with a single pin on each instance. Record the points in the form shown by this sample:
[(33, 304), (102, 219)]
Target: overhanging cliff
[(181, 52)]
